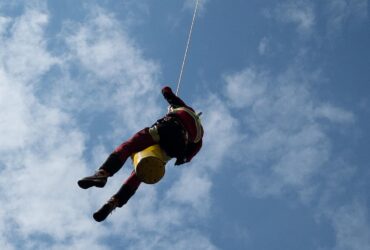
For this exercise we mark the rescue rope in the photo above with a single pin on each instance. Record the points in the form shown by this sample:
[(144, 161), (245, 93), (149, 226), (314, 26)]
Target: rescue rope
[(187, 46)]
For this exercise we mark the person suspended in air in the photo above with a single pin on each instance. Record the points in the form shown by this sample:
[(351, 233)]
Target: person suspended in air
[(179, 134)]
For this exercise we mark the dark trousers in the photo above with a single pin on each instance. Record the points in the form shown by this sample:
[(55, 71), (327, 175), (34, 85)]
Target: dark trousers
[(138, 142)]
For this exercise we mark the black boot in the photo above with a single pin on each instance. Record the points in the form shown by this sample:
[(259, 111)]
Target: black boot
[(117, 200), (106, 209), (99, 179)]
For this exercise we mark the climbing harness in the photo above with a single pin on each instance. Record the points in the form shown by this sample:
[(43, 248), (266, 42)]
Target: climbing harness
[(196, 119)]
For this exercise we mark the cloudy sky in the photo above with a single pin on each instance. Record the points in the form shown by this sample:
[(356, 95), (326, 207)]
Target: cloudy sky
[(284, 91)]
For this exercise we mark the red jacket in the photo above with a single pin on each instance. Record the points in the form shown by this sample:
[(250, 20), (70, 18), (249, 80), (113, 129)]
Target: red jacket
[(189, 120)]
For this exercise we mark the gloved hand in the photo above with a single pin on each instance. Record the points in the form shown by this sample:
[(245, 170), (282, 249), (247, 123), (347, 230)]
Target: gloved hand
[(167, 92), (180, 161)]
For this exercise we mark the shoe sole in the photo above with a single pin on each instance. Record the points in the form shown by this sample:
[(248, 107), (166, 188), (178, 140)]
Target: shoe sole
[(85, 184), (98, 218)]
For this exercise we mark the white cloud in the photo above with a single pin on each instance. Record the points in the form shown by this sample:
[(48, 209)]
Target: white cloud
[(183, 240), (283, 145), (299, 13), (12, 125), (263, 46), (334, 114), (220, 126), (4, 23), (41, 150), (244, 88), (285, 148), (27, 39), (193, 188), (341, 12), (123, 80), (352, 228)]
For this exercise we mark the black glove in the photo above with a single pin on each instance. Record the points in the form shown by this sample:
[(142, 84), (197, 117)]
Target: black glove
[(167, 92)]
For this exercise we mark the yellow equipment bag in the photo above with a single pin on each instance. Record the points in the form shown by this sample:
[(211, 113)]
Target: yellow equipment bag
[(150, 164)]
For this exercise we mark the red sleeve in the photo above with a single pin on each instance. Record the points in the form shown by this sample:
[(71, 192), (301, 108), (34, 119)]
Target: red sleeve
[(173, 99)]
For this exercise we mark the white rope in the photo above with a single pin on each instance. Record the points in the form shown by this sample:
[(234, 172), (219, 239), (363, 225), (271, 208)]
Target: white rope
[(187, 47)]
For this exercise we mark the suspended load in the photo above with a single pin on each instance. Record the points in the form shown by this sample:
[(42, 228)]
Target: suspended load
[(150, 164)]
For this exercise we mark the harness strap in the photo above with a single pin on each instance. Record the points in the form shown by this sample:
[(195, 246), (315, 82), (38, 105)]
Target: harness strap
[(196, 118), (153, 131)]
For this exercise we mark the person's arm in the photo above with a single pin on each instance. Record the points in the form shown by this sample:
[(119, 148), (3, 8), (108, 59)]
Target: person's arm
[(171, 98)]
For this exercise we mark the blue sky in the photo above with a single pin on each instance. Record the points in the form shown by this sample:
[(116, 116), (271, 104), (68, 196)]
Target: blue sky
[(284, 91)]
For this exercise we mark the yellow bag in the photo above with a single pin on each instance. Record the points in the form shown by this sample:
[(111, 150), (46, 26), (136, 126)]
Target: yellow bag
[(150, 164)]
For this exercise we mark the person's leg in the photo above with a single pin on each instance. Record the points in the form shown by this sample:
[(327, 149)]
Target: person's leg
[(126, 191), (140, 141), (115, 161)]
